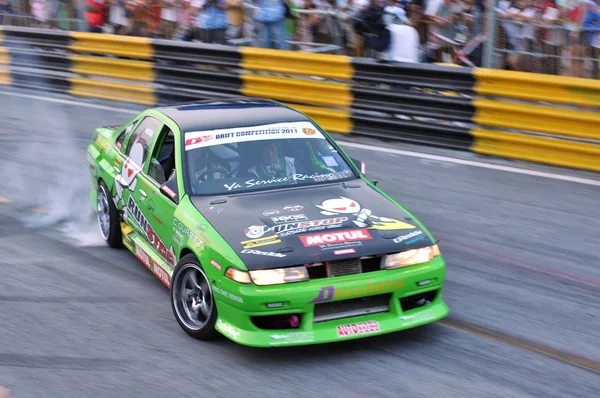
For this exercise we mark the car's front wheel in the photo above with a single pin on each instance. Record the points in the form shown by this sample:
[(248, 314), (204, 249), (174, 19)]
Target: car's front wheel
[(108, 217), (192, 299)]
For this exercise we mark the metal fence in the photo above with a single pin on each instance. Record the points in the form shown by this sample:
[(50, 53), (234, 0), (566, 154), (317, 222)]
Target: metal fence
[(546, 48)]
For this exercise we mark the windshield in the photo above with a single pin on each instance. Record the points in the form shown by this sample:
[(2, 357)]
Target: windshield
[(261, 157)]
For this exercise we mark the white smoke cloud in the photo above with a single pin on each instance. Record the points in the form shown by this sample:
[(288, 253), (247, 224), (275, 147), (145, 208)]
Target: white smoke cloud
[(47, 170)]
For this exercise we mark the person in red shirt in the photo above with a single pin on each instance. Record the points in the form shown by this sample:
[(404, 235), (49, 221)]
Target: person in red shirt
[(95, 15)]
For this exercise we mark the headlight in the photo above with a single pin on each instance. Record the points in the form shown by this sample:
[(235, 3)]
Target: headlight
[(279, 276), (410, 257), (237, 275)]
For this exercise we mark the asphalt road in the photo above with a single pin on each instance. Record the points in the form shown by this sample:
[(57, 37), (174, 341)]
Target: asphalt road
[(78, 319)]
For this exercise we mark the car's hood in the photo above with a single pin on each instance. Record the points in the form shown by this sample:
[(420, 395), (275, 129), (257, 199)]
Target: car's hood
[(298, 226)]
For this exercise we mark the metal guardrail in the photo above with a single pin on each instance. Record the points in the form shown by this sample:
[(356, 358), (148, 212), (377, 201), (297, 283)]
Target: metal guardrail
[(548, 119)]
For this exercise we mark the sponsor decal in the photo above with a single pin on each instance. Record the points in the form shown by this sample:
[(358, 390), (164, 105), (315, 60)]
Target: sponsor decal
[(267, 240), (354, 329), (292, 338), (216, 265), (199, 227), (153, 238), (257, 231), (289, 218), (364, 217), (168, 191), (335, 237), (421, 316), (161, 273), (344, 251), (126, 179), (128, 241), (158, 220), (200, 139), (227, 294), (253, 182), (197, 140), (330, 161), (181, 230), (284, 210), (309, 131), (103, 144), (329, 293), (216, 208), (261, 253), (413, 240), (142, 256), (228, 329), (407, 236), (118, 163)]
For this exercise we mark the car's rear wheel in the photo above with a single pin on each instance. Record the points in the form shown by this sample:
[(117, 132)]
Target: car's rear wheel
[(108, 217), (192, 299)]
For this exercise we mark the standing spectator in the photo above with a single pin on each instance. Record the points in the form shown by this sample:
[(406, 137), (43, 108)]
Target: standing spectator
[(185, 29), (95, 15), (168, 16), (215, 22), (271, 15), (116, 16), (371, 26), (39, 10), (592, 25), (235, 15), (443, 24), (573, 11), (291, 15)]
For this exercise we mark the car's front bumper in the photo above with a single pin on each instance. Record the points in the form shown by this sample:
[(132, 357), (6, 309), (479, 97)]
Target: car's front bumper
[(391, 295)]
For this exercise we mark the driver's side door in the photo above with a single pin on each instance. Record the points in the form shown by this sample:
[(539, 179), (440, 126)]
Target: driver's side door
[(156, 201)]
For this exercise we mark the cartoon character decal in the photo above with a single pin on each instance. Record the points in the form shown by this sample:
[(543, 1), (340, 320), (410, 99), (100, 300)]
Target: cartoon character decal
[(127, 178), (364, 217)]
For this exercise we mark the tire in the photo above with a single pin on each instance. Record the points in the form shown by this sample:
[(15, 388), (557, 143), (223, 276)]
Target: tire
[(108, 217), (199, 302)]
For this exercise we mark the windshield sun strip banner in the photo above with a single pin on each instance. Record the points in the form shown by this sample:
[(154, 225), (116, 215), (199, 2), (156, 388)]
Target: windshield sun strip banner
[(200, 139)]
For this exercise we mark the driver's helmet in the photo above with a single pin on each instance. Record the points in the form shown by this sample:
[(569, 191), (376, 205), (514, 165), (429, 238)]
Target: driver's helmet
[(271, 161)]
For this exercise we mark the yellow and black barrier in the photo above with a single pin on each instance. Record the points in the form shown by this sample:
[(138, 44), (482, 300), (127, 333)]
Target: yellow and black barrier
[(547, 119)]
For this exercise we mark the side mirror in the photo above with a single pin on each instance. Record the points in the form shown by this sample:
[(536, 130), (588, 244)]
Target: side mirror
[(169, 188), (361, 166)]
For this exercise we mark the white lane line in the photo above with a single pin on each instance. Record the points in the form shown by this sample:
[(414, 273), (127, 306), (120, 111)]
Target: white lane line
[(75, 103), (508, 169)]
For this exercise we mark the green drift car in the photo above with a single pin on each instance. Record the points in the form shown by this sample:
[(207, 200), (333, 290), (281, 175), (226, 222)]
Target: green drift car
[(261, 226)]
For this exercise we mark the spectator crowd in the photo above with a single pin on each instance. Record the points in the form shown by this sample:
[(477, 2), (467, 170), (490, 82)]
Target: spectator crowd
[(544, 36)]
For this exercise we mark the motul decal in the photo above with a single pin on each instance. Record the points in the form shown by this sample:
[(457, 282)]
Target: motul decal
[(216, 265), (168, 191), (161, 273), (326, 238), (142, 256)]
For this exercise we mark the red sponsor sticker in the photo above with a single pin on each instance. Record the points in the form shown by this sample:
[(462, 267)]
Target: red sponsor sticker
[(168, 191), (197, 140), (344, 251), (358, 328), (216, 265), (142, 256), (161, 273), (325, 238)]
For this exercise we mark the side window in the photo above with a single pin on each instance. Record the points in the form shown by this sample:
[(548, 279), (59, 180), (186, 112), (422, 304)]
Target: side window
[(143, 135), (125, 134), (162, 163)]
